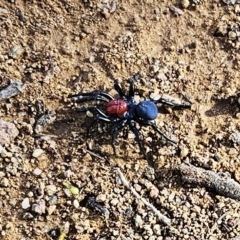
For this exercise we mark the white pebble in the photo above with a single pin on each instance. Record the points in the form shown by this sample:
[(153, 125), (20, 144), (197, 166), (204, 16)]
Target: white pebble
[(76, 203), (30, 194), (114, 202), (2, 174), (1, 148), (171, 197), (138, 221), (37, 171), (4, 182), (50, 189), (37, 152), (25, 203), (101, 198)]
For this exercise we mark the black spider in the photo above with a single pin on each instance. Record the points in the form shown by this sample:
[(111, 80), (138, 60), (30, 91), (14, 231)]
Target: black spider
[(124, 111)]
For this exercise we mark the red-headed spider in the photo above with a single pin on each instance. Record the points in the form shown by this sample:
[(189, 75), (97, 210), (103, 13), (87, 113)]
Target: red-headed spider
[(124, 111)]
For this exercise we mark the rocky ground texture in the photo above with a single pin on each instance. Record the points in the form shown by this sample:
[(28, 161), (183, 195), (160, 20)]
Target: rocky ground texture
[(55, 183)]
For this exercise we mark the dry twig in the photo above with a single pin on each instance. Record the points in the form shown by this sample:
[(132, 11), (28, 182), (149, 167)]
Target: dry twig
[(221, 183), (161, 217)]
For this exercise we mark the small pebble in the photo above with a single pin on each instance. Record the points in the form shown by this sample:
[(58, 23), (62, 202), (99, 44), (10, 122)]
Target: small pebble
[(101, 198), (185, 3), (235, 137), (184, 152), (114, 201), (39, 207), (1, 148), (9, 225), (76, 203), (4, 182), (53, 200), (3, 12), (51, 209), (2, 174), (37, 153), (5, 154), (137, 187), (67, 192), (15, 52), (8, 130), (25, 203), (89, 114), (50, 189), (154, 193), (171, 197), (233, 151), (138, 221), (37, 171), (157, 229)]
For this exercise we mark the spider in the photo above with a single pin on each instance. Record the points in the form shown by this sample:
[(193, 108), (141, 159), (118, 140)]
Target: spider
[(124, 111)]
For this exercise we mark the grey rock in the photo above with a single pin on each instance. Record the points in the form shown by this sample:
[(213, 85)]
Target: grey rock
[(44, 120), (235, 137), (14, 88), (8, 132), (39, 207)]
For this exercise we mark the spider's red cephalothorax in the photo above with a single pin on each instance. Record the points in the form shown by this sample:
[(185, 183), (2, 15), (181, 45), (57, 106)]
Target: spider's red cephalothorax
[(116, 107), (125, 111)]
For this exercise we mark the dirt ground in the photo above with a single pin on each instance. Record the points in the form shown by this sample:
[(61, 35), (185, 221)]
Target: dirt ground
[(57, 48)]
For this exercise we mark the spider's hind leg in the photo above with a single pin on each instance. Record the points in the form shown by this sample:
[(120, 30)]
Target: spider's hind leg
[(85, 109), (115, 130), (90, 96), (138, 139), (96, 119)]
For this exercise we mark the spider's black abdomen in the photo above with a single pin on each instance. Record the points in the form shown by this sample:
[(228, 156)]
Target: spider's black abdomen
[(147, 110)]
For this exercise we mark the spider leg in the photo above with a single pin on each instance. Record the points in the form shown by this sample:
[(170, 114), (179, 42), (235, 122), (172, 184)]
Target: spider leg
[(97, 118), (119, 89), (131, 88), (85, 109), (93, 94), (115, 130), (138, 139), (171, 104), (153, 125), (91, 98)]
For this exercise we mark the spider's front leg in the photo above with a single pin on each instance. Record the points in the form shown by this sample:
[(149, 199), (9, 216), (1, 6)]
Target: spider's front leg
[(131, 92), (173, 105), (119, 89)]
